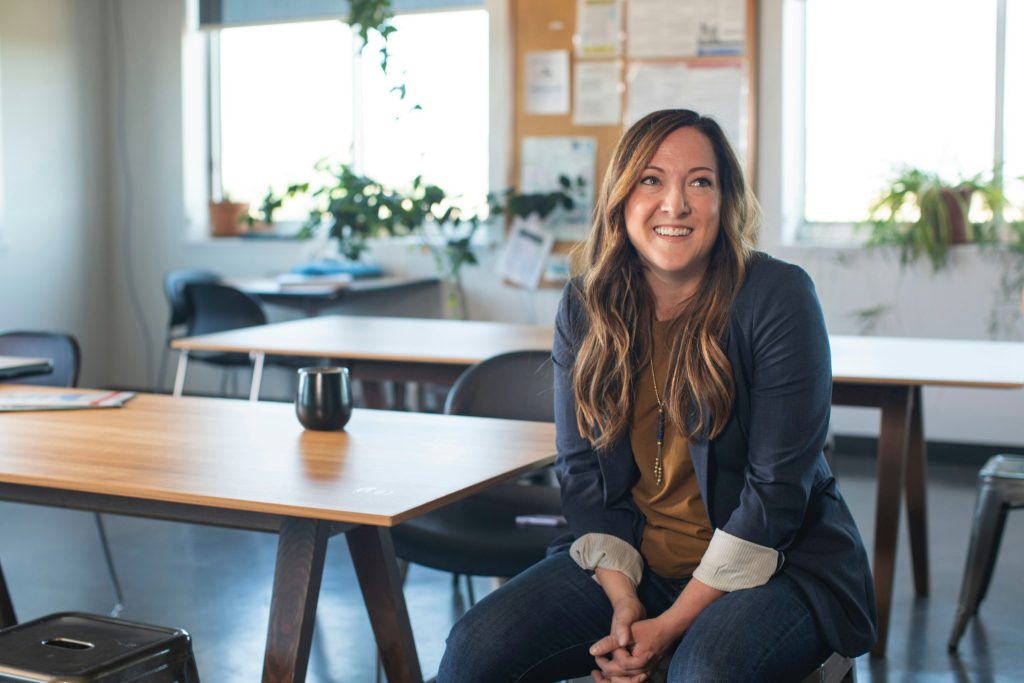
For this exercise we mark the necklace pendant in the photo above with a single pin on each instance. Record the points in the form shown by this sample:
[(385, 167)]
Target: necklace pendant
[(658, 467)]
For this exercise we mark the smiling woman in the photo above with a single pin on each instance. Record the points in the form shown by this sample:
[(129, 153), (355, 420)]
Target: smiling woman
[(692, 399)]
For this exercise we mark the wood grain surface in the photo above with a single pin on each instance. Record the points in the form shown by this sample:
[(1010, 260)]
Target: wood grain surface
[(385, 468)]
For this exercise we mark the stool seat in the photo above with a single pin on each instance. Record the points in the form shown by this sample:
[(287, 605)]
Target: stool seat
[(1000, 489), (72, 647)]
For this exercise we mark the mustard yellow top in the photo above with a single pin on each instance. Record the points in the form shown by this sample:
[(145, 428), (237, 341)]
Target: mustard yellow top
[(678, 530)]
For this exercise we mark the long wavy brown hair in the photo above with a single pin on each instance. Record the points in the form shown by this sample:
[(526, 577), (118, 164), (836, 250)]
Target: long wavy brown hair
[(620, 305)]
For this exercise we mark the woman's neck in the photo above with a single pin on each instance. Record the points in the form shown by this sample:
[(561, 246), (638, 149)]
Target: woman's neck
[(671, 298)]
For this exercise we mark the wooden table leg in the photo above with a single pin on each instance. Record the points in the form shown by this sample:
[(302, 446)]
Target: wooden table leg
[(373, 555), (896, 407), (7, 616), (916, 487), (300, 566)]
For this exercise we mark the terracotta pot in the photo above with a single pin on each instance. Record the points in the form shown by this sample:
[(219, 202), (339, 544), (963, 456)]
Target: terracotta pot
[(958, 201), (226, 218)]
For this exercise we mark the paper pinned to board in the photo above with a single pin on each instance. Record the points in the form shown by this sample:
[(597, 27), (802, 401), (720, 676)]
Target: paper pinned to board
[(17, 401), (526, 252), (598, 28), (597, 94), (547, 82)]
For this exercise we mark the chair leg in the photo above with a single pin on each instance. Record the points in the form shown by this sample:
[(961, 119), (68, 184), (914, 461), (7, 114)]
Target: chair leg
[(990, 565), (158, 385), (118, 594), (989, 506)]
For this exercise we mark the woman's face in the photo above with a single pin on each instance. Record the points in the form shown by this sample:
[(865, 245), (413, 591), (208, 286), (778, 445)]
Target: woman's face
[(672, 214)]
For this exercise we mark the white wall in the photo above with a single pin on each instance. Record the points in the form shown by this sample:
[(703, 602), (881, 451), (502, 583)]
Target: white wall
[(60, 120), (54, 170)]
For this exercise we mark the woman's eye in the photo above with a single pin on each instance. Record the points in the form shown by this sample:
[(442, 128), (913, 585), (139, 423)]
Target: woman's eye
[(702, 182), (648, 180)]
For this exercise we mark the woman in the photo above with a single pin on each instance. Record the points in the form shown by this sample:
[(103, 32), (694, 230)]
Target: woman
[(692, 398)]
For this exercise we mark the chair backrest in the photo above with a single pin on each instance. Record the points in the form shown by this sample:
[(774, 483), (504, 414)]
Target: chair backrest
[(174, 289), (516, 386), (217, 307), (60, 348)]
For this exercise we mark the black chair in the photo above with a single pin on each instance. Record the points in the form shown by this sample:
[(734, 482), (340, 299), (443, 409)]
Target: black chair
[(1000, 489), (215, 307), (478, 536), (180, 312), (62, 350)]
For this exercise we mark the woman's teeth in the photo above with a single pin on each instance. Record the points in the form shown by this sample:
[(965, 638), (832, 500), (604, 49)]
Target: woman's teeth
[(673, 232)]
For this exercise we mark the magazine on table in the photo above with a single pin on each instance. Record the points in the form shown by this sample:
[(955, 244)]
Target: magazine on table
[(47, 400)]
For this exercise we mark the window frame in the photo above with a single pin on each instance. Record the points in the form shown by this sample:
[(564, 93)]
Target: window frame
[(795, 229), (206, 53)]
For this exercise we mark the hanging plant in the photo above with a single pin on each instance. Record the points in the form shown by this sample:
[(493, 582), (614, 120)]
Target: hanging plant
[(376, 16)]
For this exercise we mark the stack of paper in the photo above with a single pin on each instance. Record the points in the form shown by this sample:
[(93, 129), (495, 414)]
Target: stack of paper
[(39, 400)]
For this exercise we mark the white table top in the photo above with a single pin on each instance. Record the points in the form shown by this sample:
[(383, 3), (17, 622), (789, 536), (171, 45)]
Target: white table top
[(927, 362), (855, 359), (413, 340)]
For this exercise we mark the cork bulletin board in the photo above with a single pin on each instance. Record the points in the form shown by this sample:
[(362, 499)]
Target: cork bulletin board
[(546, 26)]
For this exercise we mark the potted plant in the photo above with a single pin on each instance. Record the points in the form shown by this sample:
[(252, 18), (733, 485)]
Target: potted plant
[(262, 218), (228, 218), (925, 216), (521, 204), (355, 208)]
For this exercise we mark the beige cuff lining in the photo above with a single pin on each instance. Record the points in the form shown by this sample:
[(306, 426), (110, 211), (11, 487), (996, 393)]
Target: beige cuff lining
[(731, 563), (593, 551)]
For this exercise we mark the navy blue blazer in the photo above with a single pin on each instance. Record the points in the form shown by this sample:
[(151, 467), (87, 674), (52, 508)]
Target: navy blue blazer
[(764, 478)]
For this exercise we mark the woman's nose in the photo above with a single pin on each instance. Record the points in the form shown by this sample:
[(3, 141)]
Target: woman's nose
[(674, 202)]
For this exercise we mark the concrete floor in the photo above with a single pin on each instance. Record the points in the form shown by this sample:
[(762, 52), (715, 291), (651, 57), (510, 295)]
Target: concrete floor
[(216, 584)]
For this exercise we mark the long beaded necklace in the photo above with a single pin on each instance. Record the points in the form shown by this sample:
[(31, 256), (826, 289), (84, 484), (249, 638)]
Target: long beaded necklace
[(658, 467)]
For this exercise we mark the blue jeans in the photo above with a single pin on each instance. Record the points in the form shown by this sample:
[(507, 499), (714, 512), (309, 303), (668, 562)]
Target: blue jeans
[(539, 626)]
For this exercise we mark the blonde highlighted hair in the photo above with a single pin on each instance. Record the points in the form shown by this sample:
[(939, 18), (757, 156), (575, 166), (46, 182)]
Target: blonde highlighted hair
[(620, 306)]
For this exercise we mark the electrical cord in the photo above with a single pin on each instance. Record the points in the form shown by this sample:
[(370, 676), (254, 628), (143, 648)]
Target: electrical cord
[(127, 262)]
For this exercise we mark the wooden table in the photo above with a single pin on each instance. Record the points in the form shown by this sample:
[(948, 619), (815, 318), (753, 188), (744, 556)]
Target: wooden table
[(319, 293), (878, 372), (889, 373), (406, 349), (251, 465), (12, 367)]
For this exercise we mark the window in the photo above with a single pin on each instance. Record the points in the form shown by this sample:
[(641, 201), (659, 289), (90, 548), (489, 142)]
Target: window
[(285, 100), (873, 85), (284, 96)]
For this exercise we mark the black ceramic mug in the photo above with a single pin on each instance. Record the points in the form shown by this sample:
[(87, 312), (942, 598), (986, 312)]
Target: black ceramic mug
[(324, 398)]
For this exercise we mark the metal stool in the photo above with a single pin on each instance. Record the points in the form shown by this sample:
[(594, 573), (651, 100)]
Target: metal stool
[(85, 648), (1000, 488), (836, 669)]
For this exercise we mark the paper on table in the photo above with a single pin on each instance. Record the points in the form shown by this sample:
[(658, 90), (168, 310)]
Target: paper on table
[(39, 400), (296, 281)]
